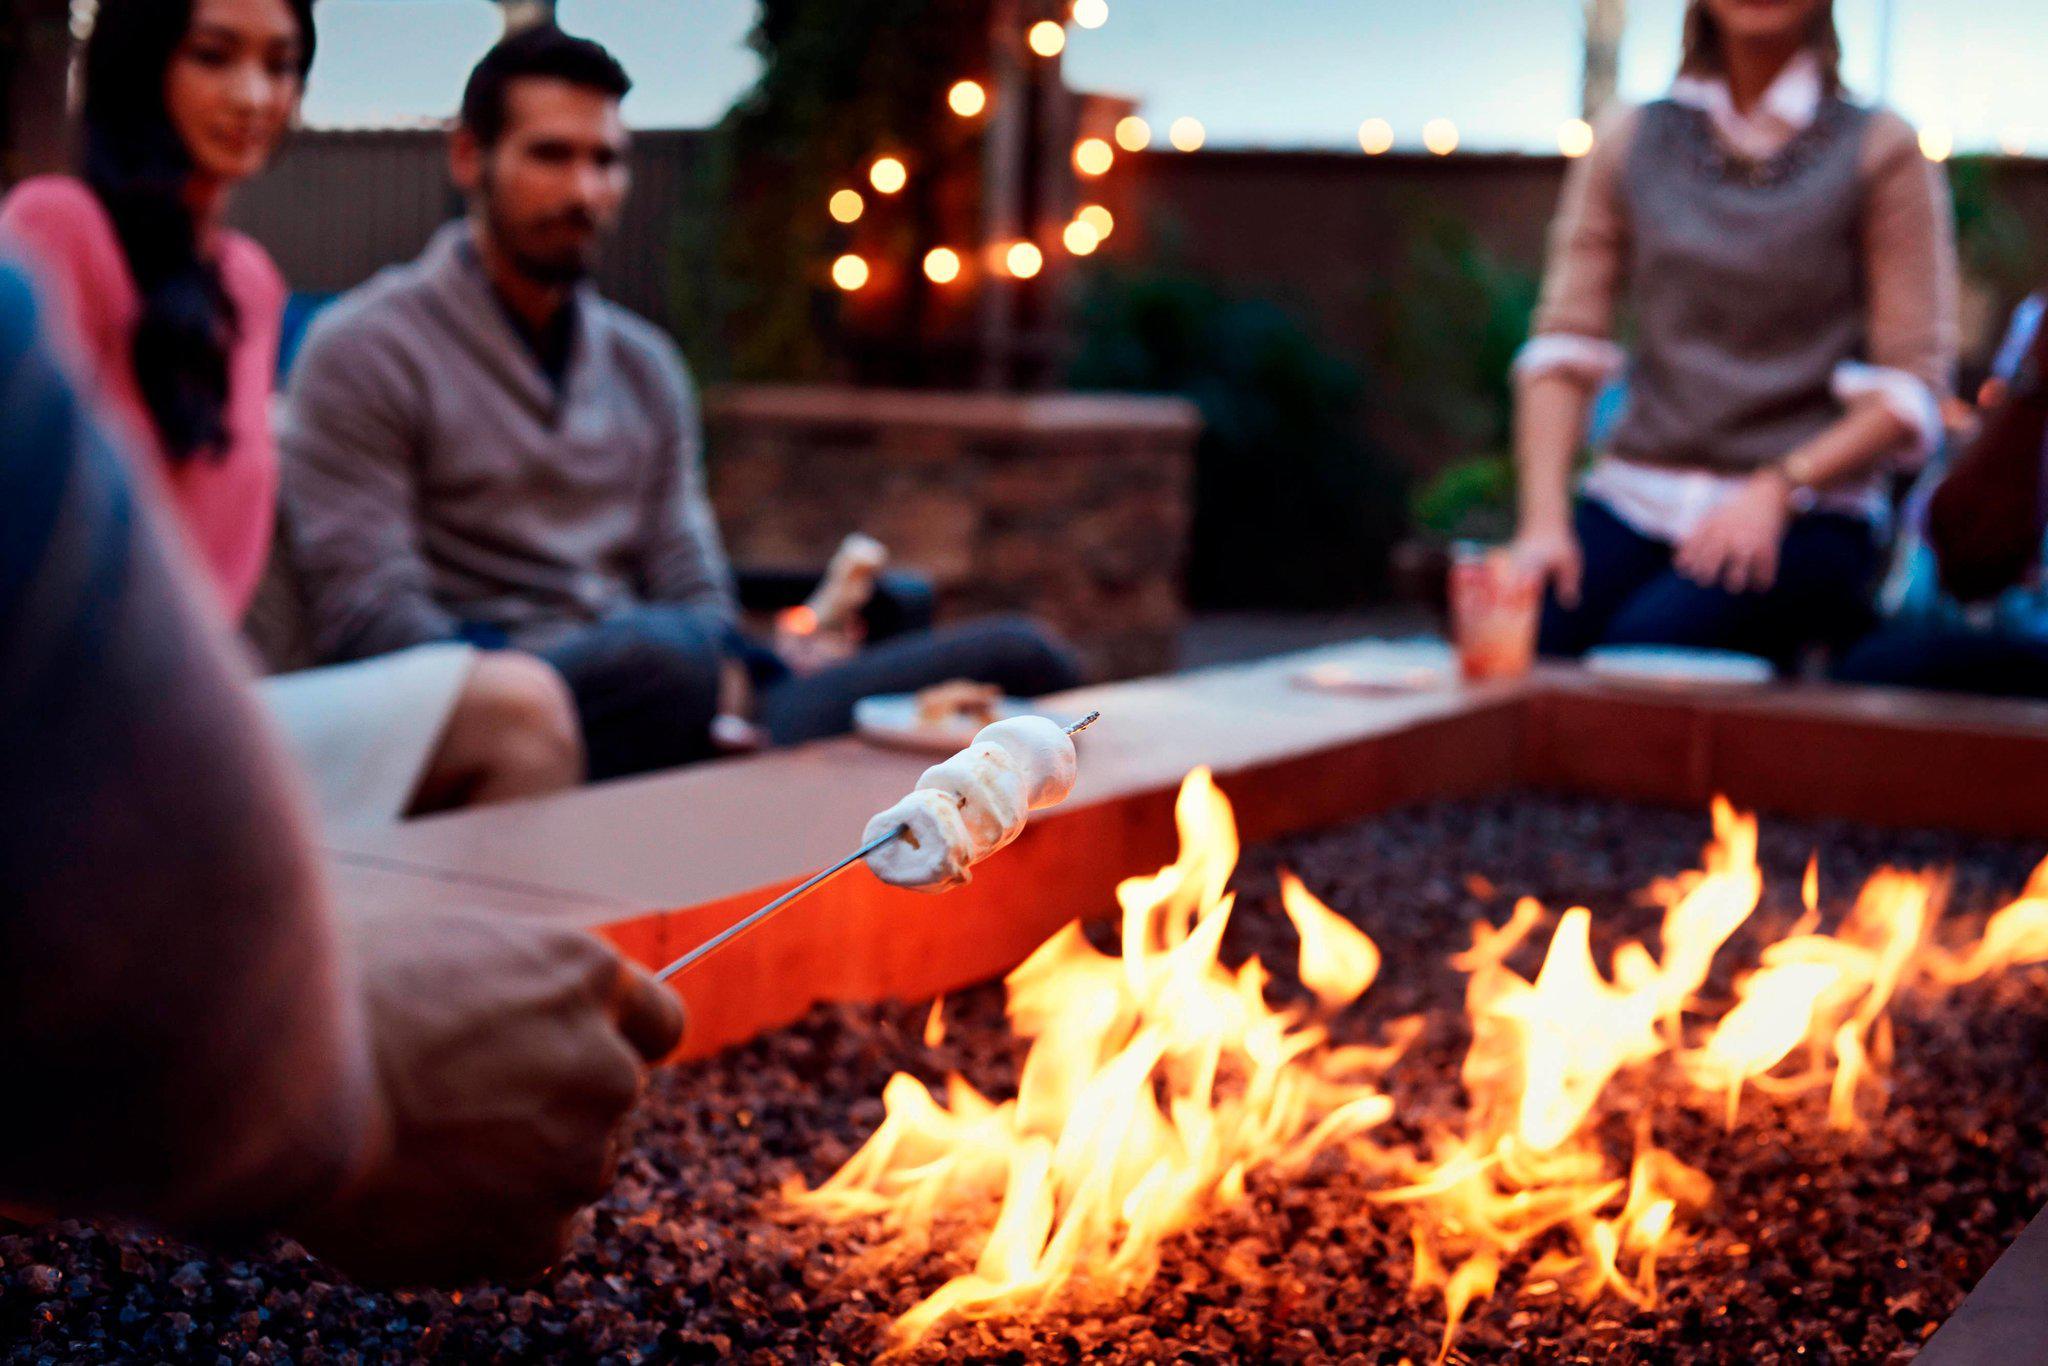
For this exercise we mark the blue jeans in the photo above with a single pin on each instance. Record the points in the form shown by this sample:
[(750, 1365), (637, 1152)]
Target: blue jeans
[(1945, 658), (646, 681), (1631, 594)]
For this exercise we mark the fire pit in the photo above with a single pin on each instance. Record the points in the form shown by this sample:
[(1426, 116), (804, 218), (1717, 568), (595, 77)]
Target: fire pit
[(1818, 1243), (1336, 1206)]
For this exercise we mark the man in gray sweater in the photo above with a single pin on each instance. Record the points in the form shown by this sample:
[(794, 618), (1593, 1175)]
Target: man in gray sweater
[(477, 446)]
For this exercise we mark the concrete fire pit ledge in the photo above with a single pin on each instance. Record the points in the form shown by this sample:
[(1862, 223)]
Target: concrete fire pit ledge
[(661, 863)]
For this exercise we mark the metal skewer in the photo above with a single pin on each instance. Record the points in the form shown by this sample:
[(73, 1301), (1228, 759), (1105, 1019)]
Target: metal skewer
[(797, 893)]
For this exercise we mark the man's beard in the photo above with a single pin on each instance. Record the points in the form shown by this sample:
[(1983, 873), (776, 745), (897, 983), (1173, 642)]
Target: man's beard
[(563, 266)]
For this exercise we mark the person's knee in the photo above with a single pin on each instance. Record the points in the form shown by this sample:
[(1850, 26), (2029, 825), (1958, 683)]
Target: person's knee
[(525, 712), (1025, 658), (676, 669)]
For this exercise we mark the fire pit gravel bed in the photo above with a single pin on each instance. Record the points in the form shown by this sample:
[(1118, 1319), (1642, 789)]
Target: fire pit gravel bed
[(1819, 1245)]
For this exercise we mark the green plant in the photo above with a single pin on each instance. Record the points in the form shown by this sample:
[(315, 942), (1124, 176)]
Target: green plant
[(1997, 246), (1451, 317), (1294, 508), (1470, 499), (842, 81)]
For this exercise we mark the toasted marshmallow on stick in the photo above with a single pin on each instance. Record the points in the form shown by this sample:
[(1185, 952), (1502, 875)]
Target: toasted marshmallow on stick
[(968, 807)]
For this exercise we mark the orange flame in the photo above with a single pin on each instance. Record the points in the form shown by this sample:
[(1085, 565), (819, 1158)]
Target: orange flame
[(1158, 1081), (1338, 961), (1155, 1084)]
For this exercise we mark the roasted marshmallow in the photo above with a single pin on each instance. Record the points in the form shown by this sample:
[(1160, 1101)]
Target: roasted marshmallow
[(968, 807)]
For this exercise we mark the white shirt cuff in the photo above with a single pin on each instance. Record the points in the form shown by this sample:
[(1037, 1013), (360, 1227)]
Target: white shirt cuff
[(1905, 396), (1593, 359)]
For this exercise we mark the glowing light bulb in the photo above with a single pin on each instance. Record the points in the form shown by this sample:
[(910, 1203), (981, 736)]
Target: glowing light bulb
[(1575, 138), (1093, 156), (1098, 218), (1047, 38), (1081, 238), (1187, 134), (1091, 13), (2016, 142), (850, 272), (888, 175), (846, 205), (1024, 259), (967, 98), (1937, 143), (942, 265), (1440, 136), (1376, 136), (1133, 134)]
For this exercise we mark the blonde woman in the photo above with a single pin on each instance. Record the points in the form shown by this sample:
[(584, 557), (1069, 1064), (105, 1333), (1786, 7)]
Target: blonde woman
[(1785, 258)]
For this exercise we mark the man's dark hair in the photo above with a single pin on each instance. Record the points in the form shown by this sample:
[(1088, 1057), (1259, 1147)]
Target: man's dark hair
[(542, 50)]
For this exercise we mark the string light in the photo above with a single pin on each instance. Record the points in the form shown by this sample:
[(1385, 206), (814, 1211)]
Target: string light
[(1376, 136), (850, 272), (967, 98), (1440, 136), (2016, 142), (942, 265), (1937, 143), (1081, 238), (1098, 218), (846, 206), (1187, 134), (888, 175), (1091, 13), (1093, 156), (1047, 38), (1133, 134), (1024, 259), (1575, 138)]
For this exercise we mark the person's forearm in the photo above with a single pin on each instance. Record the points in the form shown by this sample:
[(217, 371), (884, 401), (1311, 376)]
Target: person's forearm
[(180, 1025), (1854, 445), (1550, 425)]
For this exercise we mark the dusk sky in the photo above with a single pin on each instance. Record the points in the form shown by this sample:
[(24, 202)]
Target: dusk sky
[(1285, 73)]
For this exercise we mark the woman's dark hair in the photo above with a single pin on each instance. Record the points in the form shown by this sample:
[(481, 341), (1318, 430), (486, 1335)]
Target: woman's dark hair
[(539, 50), (1706, 56), (138, 166)]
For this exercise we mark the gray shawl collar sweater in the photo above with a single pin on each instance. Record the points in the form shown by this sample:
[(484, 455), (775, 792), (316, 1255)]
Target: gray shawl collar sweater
[(437, 481)]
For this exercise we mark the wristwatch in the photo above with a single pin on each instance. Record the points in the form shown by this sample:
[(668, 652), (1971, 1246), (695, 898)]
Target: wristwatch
[(1797, 471)]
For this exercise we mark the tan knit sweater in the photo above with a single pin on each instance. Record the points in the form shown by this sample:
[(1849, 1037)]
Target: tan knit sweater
[(1906, 242)]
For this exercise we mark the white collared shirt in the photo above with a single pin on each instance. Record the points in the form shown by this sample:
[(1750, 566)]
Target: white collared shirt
[(1787, 109)]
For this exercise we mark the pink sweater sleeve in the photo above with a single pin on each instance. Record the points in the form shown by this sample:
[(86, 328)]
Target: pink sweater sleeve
[(67, 240)]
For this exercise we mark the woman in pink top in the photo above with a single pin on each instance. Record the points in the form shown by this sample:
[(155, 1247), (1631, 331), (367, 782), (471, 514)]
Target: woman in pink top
[(172, 320)]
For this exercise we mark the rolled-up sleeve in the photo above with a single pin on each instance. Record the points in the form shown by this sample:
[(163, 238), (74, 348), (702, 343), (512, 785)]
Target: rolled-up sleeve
[(1587, 264), (1909, 252)]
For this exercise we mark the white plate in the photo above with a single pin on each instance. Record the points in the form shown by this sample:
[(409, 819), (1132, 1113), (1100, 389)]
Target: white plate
[(892, 720), (1395, 667), (1672, 666)]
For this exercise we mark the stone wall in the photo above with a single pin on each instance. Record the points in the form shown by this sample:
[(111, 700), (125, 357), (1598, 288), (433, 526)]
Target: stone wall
[(1072, 508)]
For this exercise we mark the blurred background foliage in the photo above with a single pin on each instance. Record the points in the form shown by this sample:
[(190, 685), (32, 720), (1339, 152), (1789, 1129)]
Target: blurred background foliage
[(835, 91), (1450, 317), (1294, 505)]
